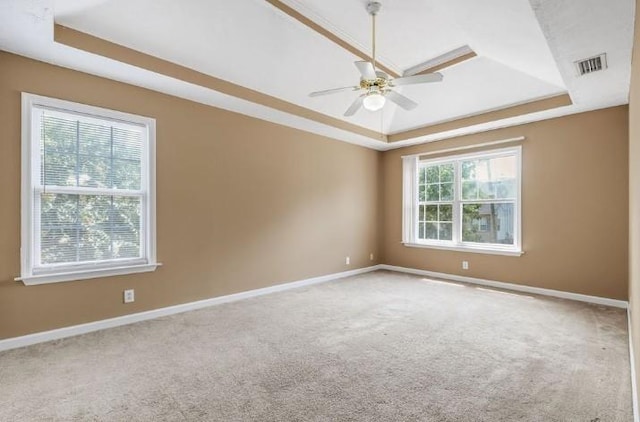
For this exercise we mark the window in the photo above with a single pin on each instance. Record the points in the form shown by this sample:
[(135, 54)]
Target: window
[(88, 192), (464, 202)]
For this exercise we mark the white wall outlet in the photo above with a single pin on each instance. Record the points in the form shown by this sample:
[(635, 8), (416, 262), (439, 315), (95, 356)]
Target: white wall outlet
[(465, 265), (129, 296), (371, 256), (347, 261)]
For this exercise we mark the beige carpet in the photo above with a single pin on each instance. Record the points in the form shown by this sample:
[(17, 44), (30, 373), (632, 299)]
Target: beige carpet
[(377, 347)]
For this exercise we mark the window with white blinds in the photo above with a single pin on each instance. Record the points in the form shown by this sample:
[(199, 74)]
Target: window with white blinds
[(88, 197)]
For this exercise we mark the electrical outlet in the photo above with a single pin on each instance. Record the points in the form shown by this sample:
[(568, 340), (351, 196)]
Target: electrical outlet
[(347, 261), (465, 265), (371, 256), (129, 296)]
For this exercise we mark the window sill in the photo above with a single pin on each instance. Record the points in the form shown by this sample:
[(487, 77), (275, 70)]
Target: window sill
[(34, 280), (490, 251)]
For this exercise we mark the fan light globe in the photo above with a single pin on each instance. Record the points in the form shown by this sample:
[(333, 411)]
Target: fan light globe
[(374, 101)]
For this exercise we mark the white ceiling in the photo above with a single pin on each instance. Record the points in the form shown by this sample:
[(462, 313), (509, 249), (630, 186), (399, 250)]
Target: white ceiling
[(526, 51)]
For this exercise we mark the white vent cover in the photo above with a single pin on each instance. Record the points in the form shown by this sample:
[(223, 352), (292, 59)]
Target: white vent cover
[(592, 64)]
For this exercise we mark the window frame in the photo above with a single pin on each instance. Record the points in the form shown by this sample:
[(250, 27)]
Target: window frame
[(31, 272), (411, 167)]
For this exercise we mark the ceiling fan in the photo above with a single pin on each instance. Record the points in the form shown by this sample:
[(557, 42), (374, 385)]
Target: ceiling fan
[(376, 86)]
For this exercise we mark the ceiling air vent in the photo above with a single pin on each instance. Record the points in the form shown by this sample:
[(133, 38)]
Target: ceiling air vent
[(592, 64)]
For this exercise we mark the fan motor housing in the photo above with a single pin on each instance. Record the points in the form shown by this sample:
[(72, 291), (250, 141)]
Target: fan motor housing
[(381, 82)]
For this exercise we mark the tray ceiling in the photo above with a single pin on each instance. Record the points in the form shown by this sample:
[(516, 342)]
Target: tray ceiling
[(525, 52)]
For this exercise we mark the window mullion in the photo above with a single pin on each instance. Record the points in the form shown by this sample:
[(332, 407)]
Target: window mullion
[(457, 212), (77, 222)]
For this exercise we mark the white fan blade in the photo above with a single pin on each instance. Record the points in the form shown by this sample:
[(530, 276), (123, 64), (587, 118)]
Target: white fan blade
[(355, 106), (334, 90), (401, 100), (366, 70), (417, 79)]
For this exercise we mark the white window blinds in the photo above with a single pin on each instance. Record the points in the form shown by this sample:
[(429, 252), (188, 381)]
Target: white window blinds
[(90, 196), (90, 202)]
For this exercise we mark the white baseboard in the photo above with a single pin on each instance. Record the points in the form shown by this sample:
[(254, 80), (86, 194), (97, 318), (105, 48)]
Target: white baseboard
[(59, 333), (509, 286), (634, 385)]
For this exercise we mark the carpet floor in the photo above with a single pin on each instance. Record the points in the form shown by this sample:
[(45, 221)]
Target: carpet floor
[(380, 346)]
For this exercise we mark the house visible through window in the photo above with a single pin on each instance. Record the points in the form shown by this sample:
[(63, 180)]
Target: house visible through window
[(467, 201), (88, 197)]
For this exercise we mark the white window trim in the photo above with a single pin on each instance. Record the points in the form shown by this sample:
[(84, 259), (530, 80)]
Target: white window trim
[(29, 172), (410, 166)]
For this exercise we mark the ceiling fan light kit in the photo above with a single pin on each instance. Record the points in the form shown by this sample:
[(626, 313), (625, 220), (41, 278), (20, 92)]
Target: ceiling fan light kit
[(375, 86), (373, 101)]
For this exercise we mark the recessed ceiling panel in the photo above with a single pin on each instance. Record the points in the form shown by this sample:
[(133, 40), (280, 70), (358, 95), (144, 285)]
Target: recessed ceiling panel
[(413, 31)]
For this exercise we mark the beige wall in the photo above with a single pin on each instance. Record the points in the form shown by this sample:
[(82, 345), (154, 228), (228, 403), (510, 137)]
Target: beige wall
[(574, 208), (244, 203), (241, 203), (634, 196)]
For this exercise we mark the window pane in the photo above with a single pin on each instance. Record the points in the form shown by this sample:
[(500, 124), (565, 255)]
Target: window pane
[(58, 169), (78, 153), (432, 213), (78, 228), (94, 139), (126, 222), (502, 168), (126, 174), (446, 173), (58, 228), (486, 190), (488, 223), (422, 175), (58, 209), (127, 144), (506, 189), (59, 135), (422, 193), (433, 174), (59, 245), (469, 190), (94, 243), (94, 171), (446, 231), (491, 174), (433, 192), (421, 230), (446, 213), (431, 231), (446, 192), (468, 170)]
